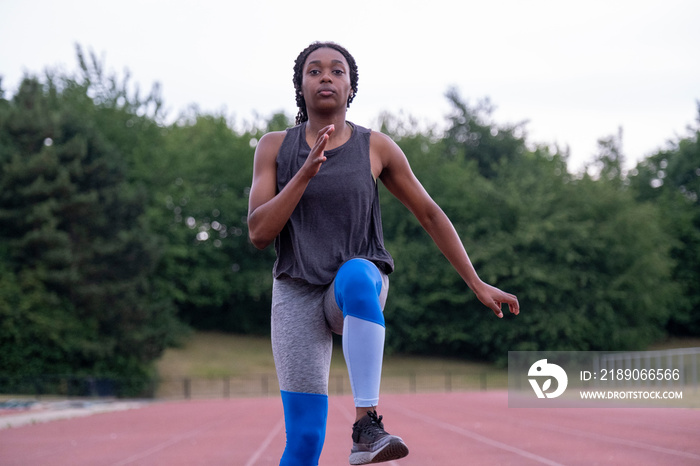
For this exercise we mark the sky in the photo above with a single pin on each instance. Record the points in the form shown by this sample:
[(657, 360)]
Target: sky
[(574, 71)]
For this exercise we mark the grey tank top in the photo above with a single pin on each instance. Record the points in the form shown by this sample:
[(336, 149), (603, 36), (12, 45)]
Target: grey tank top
[(338, 217)]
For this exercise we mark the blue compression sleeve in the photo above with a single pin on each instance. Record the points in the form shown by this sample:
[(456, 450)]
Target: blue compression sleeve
[(363, 348), (305, 416), (358, 285)]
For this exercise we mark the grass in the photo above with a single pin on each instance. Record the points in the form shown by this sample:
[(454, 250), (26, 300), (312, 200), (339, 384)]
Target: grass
[(210, 354), (212, 364), (675, 342)]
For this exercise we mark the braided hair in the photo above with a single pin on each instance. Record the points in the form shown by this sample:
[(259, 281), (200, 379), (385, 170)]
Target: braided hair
[(303, 116)]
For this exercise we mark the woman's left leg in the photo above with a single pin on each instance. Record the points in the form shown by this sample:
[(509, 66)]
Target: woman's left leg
[(360, 291)]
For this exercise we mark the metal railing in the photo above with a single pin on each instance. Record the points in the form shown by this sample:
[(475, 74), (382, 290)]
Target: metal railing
[(253, 385), (265, 384), (666, 368)]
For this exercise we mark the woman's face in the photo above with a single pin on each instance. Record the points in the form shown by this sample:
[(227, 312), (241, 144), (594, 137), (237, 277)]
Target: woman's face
[(325, 80)]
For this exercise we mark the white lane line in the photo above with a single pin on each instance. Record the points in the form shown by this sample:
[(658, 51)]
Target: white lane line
[(623, 424), (477, 437), (618, 441), (265, 443), (172, 441)]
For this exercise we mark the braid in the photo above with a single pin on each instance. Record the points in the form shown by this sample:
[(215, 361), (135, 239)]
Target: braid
[(302, 115)]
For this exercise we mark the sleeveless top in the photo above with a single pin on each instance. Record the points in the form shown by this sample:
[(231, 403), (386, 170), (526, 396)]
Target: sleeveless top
[(338, 217)]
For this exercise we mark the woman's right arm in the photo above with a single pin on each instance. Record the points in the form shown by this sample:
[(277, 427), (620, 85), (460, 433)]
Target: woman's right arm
[(269, 211)]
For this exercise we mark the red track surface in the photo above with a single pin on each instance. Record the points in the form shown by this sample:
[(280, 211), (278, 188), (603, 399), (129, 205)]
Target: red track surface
[(440, 429)]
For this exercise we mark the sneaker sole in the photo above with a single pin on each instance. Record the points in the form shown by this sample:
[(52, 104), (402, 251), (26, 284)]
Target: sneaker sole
[(392, 451)]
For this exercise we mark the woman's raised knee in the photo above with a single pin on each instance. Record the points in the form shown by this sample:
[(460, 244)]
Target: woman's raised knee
[(358, 285)]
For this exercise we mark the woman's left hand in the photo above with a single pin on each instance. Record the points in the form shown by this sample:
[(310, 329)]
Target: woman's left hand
[(493, 298)]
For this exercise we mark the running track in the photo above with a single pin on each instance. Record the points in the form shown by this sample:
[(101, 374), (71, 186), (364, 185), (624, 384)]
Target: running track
[(454, 429)]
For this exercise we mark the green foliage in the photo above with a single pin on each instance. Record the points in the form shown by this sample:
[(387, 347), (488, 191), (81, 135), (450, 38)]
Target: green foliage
[(670, 179), (589, 264), (78, 294), (200, 180), (472, 136)]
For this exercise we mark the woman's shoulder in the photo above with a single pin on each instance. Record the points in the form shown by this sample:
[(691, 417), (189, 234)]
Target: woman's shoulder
[(268, 147), (273, 137), (271, 142), (381, 141)]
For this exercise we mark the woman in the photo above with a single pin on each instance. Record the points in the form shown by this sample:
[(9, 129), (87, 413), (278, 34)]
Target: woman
[(314, 193)]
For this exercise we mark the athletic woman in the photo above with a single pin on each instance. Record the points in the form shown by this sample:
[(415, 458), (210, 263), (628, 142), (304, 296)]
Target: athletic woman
[(314, 194)]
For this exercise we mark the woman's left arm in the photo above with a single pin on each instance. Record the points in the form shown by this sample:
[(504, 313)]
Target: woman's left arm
[(396, 174)]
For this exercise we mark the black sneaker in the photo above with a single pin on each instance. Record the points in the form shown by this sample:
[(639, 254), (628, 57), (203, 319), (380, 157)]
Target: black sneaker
[(372, 444)]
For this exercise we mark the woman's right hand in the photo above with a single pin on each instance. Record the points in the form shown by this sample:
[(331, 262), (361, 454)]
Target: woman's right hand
[(316, 157)]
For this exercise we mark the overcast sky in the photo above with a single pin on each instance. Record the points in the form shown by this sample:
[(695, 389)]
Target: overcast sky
[(577, 71)]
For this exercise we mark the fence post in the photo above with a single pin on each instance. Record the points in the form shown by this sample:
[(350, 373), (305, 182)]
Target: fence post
[(186, 387), (339, 385), (153, 388), (264, 384)]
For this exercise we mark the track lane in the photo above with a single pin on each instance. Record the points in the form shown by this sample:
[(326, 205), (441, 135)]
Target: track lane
[(452, 429)]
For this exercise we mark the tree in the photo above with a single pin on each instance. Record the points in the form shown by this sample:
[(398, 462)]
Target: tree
[(610, 159), (670, 180), (588, 263), (78, 295), (472, 136), (200, 183)]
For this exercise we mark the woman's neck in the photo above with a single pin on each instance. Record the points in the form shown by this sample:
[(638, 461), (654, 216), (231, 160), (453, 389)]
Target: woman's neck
[(317, 122), (341, 134)]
